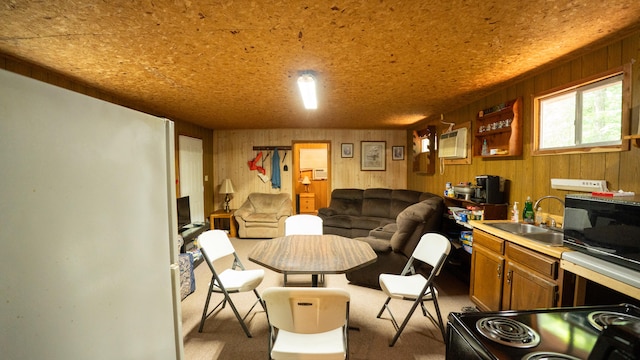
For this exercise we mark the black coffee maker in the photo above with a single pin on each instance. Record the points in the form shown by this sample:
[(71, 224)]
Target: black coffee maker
[(490, 189)]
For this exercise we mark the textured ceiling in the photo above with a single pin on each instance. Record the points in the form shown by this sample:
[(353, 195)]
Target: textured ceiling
[(233, 64)]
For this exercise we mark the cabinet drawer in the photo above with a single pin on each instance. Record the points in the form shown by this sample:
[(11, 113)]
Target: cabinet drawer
[(489, 241), (543, 264)]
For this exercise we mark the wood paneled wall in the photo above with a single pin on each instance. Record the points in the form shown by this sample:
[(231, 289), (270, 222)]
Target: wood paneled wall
[(234, 148), (530, 175)]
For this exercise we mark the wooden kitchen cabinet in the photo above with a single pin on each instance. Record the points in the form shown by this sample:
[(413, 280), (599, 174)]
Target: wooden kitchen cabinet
[(507, 276)]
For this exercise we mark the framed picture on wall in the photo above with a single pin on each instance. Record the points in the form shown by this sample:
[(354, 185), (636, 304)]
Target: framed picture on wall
[(373, 155), (397, 153), (347, 150)]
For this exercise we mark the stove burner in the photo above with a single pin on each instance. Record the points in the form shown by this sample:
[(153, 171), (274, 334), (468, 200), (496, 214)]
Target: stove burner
[(600, 319), (507, 331), (548, 356)]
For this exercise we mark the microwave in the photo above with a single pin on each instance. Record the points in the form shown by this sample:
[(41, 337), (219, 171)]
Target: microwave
[(604, 227)]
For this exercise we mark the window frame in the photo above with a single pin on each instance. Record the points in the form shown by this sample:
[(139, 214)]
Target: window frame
[(625, 71)]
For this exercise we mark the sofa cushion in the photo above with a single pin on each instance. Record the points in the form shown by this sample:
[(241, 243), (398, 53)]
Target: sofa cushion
[(261, 219), (376, 202), (271, 203), (340, 221), (347, 201), (368, 223), (378, 245)]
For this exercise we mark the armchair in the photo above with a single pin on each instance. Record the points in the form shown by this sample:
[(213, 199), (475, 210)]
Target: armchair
[(263, 215)]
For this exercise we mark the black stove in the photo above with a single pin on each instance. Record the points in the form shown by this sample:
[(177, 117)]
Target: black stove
[(559, 333)]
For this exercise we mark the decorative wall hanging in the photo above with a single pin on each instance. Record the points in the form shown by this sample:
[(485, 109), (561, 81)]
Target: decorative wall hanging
[(397, 153), (347, 150), (373, 155)]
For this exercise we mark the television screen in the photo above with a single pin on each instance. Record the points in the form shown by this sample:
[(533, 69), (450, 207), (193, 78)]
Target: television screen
[(184, 212)]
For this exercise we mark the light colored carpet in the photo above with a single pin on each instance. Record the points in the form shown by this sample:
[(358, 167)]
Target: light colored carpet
[(223, 338)]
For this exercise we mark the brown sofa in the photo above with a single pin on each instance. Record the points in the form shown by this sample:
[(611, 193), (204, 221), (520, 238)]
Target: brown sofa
[(394, 251), (356, 212)]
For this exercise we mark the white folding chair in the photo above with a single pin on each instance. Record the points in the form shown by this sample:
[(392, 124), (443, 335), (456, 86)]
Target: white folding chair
[(307, 323), (214, 245), (432, 249), (303, 224)]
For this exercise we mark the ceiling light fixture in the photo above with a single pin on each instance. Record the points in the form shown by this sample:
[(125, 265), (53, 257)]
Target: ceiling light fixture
[(307, 85)]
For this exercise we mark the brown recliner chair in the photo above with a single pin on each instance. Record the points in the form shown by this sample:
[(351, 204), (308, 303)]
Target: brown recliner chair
[(394, 243), (263, 215)]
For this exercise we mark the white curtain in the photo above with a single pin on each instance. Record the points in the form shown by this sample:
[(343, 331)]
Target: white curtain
[(191, 175)]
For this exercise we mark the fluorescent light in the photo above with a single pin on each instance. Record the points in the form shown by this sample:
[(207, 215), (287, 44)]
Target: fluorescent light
[(307, 85)]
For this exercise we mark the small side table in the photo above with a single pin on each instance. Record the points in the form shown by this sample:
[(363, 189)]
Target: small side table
[(221, 214), (307, 203)]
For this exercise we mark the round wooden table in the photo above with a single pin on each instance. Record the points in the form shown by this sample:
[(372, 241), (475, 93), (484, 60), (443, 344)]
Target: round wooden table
[(312, 254)]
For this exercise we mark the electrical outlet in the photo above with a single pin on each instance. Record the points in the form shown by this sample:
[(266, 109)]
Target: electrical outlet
[(579, 185)]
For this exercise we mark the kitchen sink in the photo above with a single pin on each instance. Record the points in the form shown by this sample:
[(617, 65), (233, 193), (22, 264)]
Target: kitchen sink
[(539, 234), (551, 238), (517, 228)]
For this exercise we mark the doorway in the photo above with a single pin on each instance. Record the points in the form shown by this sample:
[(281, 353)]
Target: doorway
[(191, 184), (311, 159)]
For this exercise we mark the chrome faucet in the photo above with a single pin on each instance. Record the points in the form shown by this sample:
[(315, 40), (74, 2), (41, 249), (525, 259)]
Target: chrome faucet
[(535, 206)]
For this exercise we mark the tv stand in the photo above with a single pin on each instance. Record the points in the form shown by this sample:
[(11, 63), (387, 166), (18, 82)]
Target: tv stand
[(189, 235)]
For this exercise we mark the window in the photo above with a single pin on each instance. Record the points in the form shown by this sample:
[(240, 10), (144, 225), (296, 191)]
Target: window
[(589, 116), (425, 144)]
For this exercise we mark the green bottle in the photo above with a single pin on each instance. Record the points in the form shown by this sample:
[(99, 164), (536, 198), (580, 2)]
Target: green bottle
[(528, 216)]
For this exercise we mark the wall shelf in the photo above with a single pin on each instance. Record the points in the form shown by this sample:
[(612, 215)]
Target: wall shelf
[(501, 127)]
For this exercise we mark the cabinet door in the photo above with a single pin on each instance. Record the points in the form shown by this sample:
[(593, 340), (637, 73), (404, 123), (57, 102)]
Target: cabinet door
[(525, 290), (486, 278)]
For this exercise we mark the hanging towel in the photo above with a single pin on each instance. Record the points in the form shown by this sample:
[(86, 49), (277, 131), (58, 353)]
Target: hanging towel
[(253, 166), (275, 169)]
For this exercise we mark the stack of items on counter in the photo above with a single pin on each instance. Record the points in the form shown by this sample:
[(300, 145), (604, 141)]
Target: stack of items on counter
[(466, 238)]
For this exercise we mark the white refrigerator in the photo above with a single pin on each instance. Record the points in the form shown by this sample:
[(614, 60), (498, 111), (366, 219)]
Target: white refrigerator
[(88, 253)]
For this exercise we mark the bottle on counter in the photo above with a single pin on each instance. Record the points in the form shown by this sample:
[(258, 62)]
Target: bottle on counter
[(515, 213), (528, 215)]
